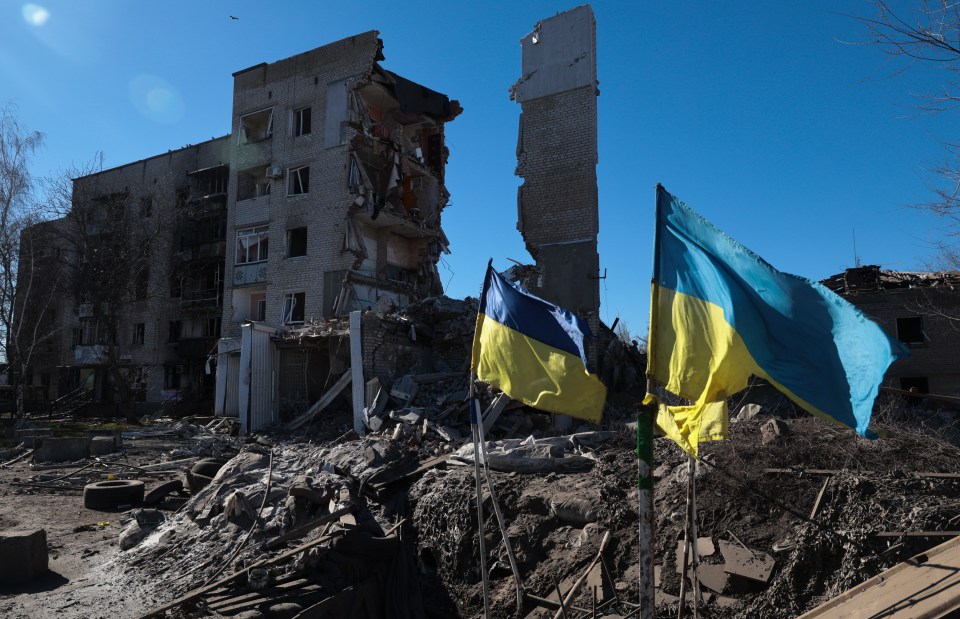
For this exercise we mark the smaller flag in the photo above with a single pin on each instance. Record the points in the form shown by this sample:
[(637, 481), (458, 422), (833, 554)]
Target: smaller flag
[(533, 351), (720, 314)]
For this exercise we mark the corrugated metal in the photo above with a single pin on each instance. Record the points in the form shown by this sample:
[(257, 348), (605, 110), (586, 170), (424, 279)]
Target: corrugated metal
[(231, 402), (227, 377), (263, 378)]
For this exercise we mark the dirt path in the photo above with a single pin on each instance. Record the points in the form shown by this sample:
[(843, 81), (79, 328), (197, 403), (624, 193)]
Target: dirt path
[(82, 544)]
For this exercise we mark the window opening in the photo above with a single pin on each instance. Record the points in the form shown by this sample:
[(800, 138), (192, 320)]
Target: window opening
[(296, 242), (299, 181), (139, 332), (256, 126), (301, 121), (252, 244), (293, 307), (910, 330)]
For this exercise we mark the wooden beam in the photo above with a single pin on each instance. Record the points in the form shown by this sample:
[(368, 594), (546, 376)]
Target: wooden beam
[(323, 402)]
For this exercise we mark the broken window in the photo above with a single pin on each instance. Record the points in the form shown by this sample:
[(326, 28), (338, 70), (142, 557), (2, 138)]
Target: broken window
[(910, 330), (76, 337), (171, 376), (296, 242), (258, 307), (256, 126), (298, 181), (255, 182), (174, 333), (141, 284), (210, 327), (252, 244), (336, 115), (301, 121), (292, 307), (139, 331)]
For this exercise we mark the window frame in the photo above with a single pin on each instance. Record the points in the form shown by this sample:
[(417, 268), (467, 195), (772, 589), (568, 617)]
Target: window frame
[(139, 333), (291, 244), (262, 245), (907, 329), (299, 114), (293, 313), (295, 176)]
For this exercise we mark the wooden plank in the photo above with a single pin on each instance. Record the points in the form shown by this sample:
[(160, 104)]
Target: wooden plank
[(323, 402), (774, 471), (245, 595), (258, 598), (816, 504), (493, 411), (923, 586), (917, 534), (301, 531)]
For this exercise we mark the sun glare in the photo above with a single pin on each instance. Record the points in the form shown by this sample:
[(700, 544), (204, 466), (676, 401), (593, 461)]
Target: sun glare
[(156, 99), (35, 15)]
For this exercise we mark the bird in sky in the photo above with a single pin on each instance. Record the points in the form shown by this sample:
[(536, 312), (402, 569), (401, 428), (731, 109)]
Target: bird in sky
[(234, 17)]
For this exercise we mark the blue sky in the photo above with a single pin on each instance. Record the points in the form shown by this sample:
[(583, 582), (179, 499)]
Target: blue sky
[(767, 118)]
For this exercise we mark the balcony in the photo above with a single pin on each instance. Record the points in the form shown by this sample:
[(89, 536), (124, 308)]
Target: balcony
[(253, 273), (201, 300), (91, 354)]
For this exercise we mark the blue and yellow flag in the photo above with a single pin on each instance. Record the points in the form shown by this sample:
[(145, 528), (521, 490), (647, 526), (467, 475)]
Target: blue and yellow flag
[(533, 351), (720, 313)]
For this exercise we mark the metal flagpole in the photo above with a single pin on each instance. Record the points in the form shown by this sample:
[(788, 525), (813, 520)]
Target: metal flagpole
[(645, 498), (476, 475), (496, 509), (694, 575), (686, 552)]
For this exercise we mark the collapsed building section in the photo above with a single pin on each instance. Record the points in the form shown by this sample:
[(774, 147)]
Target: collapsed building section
[(337, 209), (919, 310), (557, 158)]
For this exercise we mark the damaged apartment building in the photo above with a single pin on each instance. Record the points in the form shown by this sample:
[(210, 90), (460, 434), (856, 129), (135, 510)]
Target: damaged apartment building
[(325, 199), (918, 309)]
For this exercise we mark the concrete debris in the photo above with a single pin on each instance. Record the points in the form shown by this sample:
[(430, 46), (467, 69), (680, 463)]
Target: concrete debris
[(23, 555)]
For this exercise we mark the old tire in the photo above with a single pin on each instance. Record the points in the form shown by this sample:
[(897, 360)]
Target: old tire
[(156, 496), (112, 493), (196, 483), (208, 467)]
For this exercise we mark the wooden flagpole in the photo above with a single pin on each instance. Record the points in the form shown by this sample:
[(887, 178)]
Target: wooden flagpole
[(496, 508), (645, 498), (476, 475)]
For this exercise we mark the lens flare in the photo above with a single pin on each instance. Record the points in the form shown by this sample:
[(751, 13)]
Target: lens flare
[(35, 15), (156, 99)]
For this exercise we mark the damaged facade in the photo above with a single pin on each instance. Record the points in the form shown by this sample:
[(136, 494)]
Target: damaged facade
[(137, 268), (918, 309), (558, 212), (326, 198)]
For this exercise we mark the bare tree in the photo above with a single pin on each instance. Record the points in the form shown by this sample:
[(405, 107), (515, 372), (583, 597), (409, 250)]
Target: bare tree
[(114, 237), (928, 34), (28, 276)]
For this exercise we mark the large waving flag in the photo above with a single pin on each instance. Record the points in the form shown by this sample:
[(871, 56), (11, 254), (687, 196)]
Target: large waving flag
[(720, 313), (534, 352)]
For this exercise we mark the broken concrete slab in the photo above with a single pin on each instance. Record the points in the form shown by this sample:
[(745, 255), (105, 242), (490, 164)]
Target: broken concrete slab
[(24, 555), (63, 449), (102, 445), (705, 548), (747, 563), (713, 576)]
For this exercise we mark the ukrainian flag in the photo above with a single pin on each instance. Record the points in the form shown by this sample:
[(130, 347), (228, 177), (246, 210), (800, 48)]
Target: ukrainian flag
[(720, 313), (533, 351)]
